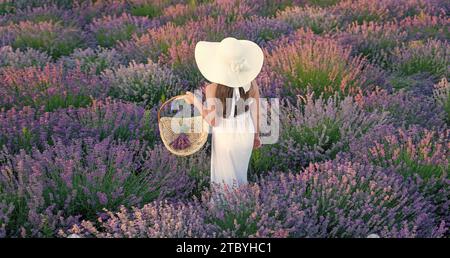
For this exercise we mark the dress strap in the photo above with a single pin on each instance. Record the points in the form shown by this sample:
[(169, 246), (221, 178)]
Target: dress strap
[(235, 98)]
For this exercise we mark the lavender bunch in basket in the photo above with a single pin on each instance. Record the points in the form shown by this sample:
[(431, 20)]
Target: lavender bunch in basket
[(181, 142)]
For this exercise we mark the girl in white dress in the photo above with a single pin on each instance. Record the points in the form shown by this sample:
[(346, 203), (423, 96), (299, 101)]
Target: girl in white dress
[(232, 105)]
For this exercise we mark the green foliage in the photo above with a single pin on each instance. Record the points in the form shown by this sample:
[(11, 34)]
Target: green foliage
[(146, 9), (49, 39), (107, 38)]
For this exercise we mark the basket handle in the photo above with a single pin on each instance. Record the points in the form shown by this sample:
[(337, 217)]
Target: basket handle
[(165, 103)]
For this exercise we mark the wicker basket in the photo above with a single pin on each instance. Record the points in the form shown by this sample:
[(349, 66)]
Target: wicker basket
[(197, 139)]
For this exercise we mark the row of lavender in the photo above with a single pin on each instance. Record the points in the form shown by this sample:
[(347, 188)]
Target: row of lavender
[(364, 136)]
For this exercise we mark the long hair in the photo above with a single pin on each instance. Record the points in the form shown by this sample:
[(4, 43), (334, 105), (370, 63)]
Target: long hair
[(223, 92)]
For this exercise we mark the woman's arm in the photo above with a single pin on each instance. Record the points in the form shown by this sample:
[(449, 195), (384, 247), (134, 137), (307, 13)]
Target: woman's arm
[(254, 109), (205, 111)]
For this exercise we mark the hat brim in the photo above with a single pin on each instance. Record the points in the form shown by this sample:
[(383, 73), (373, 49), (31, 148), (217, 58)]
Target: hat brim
[(214, 69)]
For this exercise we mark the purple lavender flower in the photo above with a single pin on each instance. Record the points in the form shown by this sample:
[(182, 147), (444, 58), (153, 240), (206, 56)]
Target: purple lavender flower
[(93, 60), (315, 130), (441, 95), (29, 128), (110, 29), (102, 198), (415, 57), (19, 59), (46, 12), (405, 108), (148, 83), (381, 11), (318, 19), (260, 30), (51, 86), (157, 41), (86, 11), (155, 220), (52, 37), (332, 199), (320, 65), (421, 155), (79, 179), (181, 142)]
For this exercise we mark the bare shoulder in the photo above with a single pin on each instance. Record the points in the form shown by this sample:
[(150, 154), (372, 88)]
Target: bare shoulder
[(255, 85), (254, 90), (211, 88)]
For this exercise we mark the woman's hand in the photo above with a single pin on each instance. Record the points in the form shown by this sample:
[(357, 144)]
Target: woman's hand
[(256, 142), (189, 97)]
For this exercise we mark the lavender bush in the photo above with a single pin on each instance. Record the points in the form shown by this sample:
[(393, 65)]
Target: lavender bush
[(19, 59), (333, 199), (315, 130), (422, 57), (148, 8), (260, 30), (157, 41), (86, 11), (159, 219), (232, 11), (147, 83), (82, 178), (441, 94), (319, 20), (6, 7), (383, 10), (424, 26), (415, 153), (373, 40), (376, 40), (110, 29), (405, 108), (53, 37), (348, 199), (29, 128), (46, 13), (319, 65), (93, 60), (51, 87)]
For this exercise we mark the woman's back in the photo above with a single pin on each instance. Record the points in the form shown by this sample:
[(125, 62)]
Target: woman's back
[(232, 136), (221, 97)]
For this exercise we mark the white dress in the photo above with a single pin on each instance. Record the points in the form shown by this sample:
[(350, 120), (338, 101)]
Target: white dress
[(232, 145)]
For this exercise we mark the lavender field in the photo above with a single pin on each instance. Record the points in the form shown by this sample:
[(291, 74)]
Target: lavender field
[(364, 131)]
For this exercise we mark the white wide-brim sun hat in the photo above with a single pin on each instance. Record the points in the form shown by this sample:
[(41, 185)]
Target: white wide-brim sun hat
[(230, 62)]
